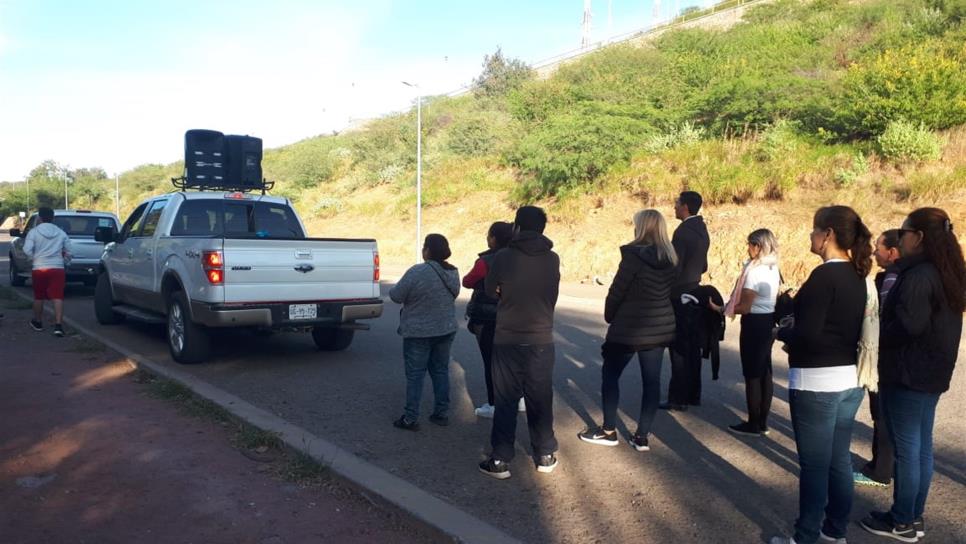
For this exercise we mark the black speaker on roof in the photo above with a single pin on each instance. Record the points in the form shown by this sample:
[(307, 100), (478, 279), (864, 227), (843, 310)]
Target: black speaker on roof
[(244, 161), (205, 158)]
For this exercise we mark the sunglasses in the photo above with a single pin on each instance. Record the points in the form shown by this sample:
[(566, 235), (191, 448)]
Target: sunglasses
[(903, 231)]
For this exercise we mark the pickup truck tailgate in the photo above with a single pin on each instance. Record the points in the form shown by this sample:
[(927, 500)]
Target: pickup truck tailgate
[(264, 270), (84, 248)]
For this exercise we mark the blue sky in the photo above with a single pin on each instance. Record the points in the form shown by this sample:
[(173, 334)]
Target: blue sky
[(116, 83)]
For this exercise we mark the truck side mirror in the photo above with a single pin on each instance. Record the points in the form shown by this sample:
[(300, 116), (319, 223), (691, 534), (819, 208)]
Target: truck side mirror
[(15, 233), (105, 234)]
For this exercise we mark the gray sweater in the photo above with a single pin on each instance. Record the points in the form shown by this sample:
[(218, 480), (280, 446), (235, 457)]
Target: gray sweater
[(429, 307)]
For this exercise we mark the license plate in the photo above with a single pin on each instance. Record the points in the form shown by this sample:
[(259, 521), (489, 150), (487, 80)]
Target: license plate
[(302, 311)]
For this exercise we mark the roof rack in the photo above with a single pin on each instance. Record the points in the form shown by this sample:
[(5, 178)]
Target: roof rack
[(182, 184)]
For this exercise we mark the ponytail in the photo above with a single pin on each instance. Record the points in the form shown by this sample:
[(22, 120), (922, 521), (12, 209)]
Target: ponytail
[(861, 250), (851, 234), (942, 249)]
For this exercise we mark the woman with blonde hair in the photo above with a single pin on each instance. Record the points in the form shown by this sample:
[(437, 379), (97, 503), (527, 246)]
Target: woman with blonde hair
[(638, 309), (753, 298)]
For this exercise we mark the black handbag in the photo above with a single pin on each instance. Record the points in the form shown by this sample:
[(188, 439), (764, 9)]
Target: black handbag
[(784, 303)]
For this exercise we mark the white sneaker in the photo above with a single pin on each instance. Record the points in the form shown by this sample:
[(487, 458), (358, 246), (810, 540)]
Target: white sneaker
[(522, 407), (485, 410)]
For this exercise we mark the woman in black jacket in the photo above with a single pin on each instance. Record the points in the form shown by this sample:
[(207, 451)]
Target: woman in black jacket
[(481, 309), (921, 324), (823, 382), (638, 308)]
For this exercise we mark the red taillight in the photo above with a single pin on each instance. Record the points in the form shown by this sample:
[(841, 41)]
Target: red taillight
[(375, 266), (214, 264), (213, 259)]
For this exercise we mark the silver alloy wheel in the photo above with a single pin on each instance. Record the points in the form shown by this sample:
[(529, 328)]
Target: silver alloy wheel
[(176, 328)]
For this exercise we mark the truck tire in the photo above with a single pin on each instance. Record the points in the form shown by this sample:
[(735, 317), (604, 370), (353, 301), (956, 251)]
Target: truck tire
[(187, 341), (331, 338), (104, 302), (16, 280)]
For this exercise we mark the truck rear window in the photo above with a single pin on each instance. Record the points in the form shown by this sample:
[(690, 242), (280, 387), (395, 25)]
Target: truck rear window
[(236, 219), (79, 225)]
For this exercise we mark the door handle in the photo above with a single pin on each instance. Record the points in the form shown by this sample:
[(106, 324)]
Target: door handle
[(148, 252), (130, 252)]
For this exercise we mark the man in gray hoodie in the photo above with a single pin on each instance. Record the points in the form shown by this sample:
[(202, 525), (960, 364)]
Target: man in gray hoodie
[(49, 248)]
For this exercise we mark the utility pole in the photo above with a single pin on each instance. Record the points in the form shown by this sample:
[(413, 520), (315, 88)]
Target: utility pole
[(657, 12), (117, 195), (585, 26)]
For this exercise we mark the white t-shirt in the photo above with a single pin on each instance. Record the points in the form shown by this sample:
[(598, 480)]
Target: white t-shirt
[(763, 279)]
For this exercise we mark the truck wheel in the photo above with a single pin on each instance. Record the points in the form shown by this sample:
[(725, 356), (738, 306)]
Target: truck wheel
[(16, 280), (187, 341), (104, 302), (331, 338)]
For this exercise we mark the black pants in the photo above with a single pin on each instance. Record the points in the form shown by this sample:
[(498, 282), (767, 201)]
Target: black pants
[(483, 331), (881, 466), (523, 370), (685, 385), (614, 364)]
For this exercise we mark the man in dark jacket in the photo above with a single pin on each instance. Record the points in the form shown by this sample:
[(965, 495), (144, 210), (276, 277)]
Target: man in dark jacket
[(691, 243), (525, 277)]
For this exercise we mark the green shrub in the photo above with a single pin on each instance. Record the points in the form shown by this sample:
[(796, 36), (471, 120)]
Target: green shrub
[(922, 83), (904, 141), (685, 134), (846, 177), (777, 141), (575, 149)]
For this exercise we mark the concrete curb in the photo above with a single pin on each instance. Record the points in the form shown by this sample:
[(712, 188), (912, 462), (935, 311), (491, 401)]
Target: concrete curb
[(436, 515)]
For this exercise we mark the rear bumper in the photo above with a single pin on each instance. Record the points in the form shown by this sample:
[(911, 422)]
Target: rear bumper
[(275, 315)]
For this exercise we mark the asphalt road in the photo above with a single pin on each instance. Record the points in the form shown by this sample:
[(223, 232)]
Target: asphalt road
[(698, 483)]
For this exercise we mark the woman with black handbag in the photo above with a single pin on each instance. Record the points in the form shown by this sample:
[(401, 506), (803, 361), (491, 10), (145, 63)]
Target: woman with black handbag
[(753, 298)]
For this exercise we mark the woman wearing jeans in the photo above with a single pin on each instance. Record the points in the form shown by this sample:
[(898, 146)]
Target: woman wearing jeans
[(638, 308), (920, 327), (823, 388), (427, 324), (753, 298)]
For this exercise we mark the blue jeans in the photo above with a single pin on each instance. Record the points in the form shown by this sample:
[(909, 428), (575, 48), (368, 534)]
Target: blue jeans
[(421, 355), (909, 416), (614, 364), (823, 433)]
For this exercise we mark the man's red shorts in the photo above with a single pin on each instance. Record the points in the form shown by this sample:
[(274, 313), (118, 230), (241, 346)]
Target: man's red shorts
[(49, 283)]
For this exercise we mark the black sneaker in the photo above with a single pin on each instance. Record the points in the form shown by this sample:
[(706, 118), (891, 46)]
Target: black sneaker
[(599, 436), (405, 424), (59, 331), (746, 429), (546, 463), (882, 524), (920, 526), (36, 325), (670, 406), (639, 442), (495, 468), (442, 421)]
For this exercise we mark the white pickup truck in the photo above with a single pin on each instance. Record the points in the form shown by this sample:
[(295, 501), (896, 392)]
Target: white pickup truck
[(199, 260)]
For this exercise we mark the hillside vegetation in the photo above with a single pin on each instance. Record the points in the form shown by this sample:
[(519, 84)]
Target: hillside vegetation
[(801, 104)]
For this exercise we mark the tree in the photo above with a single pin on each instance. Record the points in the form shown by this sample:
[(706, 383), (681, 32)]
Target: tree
[(501, 75)]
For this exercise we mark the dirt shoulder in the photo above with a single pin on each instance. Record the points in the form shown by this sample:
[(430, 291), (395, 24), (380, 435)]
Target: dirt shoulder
[(93, 451)]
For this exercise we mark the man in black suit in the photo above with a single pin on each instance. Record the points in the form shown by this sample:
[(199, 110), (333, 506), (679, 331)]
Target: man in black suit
[(691, 242)]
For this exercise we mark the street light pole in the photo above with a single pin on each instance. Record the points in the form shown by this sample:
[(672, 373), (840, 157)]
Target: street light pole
[(66, 204), (117, 195), (419, 170)]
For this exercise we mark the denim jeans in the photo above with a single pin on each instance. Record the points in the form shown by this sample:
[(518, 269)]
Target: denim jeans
[(421, 355), (823, 432), (909, 416), (614, 364)]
